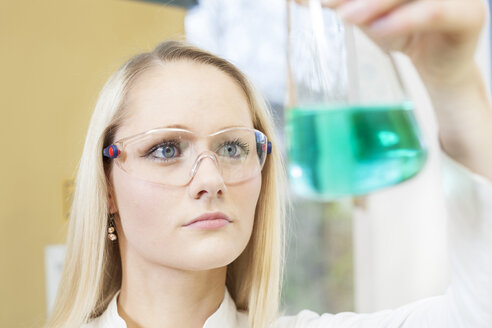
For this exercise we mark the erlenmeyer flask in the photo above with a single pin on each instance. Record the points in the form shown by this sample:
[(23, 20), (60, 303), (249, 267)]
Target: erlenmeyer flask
[(350, 126)]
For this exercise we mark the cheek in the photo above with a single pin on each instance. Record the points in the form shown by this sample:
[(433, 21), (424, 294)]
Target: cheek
[(245, 197), (145, 209)]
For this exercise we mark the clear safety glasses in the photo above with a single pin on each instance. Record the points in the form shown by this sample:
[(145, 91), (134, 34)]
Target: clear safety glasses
[(170, 156)]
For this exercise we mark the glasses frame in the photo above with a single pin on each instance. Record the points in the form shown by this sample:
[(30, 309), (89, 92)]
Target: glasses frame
[(114, 150)]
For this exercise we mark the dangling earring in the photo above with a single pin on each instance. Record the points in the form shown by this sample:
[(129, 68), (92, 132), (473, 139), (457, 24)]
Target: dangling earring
[(111, 229)]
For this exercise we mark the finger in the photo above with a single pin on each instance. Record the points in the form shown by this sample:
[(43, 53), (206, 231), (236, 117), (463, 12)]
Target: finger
[(365, 11), (463, 17)]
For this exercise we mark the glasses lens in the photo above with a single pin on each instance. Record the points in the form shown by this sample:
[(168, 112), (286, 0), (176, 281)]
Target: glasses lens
[(160, 156), (167, 156), (238, 155)]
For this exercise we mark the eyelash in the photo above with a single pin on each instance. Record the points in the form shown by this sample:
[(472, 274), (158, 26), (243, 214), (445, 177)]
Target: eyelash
[(174, 143), (237, 142)]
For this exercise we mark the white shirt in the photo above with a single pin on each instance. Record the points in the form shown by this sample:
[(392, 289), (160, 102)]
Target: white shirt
[(467, 303)]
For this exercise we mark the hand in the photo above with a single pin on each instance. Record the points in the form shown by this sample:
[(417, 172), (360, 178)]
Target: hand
[(440, 36)]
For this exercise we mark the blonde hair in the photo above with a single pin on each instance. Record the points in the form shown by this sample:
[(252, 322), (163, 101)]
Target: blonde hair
[(92, 271)]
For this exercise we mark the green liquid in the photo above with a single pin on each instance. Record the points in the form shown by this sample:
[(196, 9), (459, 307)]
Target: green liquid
[(352, 150)]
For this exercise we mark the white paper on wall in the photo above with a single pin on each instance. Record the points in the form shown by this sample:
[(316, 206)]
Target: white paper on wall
[(54, 256)]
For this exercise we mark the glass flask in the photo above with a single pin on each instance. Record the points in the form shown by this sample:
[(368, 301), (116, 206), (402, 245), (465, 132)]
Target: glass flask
[(350, 126)]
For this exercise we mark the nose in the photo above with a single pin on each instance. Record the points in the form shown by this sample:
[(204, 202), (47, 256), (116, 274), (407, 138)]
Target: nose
[(206, 180)]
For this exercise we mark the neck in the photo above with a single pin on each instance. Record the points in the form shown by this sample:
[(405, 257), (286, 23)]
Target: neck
[(156, 296)]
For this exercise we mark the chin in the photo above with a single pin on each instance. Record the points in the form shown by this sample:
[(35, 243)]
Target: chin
[(212, 259), (208, 256)]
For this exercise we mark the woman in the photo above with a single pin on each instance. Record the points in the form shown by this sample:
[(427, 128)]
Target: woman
[(177, 213)]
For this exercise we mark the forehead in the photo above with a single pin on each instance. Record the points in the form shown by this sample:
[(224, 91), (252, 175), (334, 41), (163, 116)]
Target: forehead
[(195, 96)]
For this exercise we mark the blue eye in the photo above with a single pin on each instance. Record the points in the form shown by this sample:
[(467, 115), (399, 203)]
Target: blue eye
[(233, 149), (165, 151), (230, 150)]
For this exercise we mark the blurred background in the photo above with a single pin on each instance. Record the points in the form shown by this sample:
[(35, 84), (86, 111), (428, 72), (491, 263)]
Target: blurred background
[(362, 254)]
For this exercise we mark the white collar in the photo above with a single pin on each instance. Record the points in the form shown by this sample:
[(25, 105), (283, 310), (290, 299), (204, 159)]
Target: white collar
[(225, 316)]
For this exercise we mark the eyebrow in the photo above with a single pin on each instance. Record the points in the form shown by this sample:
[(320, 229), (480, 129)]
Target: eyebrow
[(184, 127), (174, 126)]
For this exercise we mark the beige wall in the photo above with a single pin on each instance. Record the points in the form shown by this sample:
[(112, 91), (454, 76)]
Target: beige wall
[(54, 57)]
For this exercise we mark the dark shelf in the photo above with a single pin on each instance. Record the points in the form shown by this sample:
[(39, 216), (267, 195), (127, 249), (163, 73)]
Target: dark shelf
[(177, 3)]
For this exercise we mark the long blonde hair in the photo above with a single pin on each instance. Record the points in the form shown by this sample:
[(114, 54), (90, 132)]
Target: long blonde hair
[(92, 271)]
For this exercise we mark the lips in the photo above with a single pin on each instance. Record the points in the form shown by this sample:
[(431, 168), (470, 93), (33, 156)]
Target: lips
[(215, 216)]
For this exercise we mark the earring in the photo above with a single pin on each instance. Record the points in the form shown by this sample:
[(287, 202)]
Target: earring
[(111, 229)]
